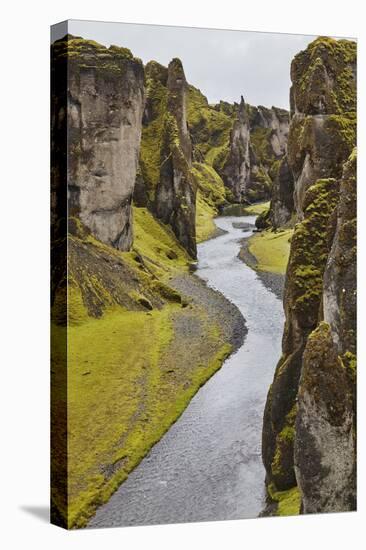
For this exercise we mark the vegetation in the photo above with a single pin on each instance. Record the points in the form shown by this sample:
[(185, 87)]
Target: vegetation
[(271, 250), (288, 501), (324, 60), (210, 196), (122, 397), (256, 209)]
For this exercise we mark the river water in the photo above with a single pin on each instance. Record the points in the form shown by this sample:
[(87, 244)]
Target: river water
[(208, 465)]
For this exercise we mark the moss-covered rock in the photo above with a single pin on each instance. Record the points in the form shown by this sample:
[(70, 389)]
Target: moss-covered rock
[(324, 77), (282, 197), (325, 440), (315, 377), (165, 183)]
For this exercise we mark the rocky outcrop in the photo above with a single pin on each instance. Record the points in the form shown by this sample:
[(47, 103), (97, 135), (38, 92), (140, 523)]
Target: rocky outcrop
[(271, 125), (325, 454), (236, 168), (165, 183), (282, 197), (244, 144), (175, 201), (308, 431), (104, 111)]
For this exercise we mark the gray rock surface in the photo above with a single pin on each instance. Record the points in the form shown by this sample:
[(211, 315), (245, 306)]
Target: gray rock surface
[(104, 110)]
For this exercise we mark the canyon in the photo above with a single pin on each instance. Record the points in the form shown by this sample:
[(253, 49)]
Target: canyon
[(150, 164)]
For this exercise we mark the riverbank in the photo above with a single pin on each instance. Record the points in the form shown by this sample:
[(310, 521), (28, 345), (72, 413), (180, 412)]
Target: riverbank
[(208, 465), (139, 359), (267, 252)]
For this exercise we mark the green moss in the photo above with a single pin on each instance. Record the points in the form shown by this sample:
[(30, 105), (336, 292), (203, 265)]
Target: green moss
[(151, 138), (326, 59), (260, 140), (288, 501), (271, 250), (210, 128), (205, 226), (284, 449), (309, 250), (121, 398), (256, 209), (88, 54), (157, 245)]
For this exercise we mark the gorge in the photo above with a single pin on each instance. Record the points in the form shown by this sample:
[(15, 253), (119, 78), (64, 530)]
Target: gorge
[(174, 318)]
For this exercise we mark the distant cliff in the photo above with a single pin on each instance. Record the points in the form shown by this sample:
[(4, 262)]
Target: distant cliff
[(244, 144), (308, 432)]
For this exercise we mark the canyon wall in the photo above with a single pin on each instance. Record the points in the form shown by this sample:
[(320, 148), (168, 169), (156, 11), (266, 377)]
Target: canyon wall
[(104, 110), (308, 431), (165, 183)]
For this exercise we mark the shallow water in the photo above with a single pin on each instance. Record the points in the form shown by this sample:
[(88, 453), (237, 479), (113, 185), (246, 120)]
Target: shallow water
[(208, 465)]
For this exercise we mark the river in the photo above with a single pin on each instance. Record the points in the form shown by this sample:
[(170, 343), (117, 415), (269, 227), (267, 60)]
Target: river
[(208, 465)]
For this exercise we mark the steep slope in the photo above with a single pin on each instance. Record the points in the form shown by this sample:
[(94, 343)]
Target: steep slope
[(310, 404)]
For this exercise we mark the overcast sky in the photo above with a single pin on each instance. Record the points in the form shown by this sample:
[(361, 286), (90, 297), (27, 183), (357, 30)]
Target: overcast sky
[(223, 64)]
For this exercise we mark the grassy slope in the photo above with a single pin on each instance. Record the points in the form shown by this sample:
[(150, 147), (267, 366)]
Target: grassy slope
[(256, 209), (122, 397), (271, 250), (210, 195)]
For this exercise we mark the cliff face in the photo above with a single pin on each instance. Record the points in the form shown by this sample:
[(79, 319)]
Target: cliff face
[(104, 111), (258, 142), (308, 432), (244, 144), (282, 197), (175, 201), (236, 167), (165, 183)]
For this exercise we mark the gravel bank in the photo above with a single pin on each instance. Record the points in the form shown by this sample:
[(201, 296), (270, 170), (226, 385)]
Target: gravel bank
[(219, 308)]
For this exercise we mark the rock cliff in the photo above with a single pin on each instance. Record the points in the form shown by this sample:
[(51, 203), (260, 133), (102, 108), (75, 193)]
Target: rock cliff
[(308, 431), (244, 144), (104, 112), (236, 167), (165, 183)]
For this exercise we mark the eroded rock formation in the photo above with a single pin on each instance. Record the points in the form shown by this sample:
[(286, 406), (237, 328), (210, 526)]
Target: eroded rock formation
[(236, 168), (104, 111), (175, 201), (282, 197), (308, 432), (165, 183)]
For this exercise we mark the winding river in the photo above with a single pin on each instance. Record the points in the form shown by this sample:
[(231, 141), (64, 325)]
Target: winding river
[(208, 465)]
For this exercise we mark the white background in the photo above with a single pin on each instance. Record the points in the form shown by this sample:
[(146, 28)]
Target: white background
[(24, 297)]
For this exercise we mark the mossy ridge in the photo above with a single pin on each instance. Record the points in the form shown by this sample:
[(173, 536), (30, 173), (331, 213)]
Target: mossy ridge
[(326, 58), (209, 127), (260, 140), (89, 54), (281, 466)]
